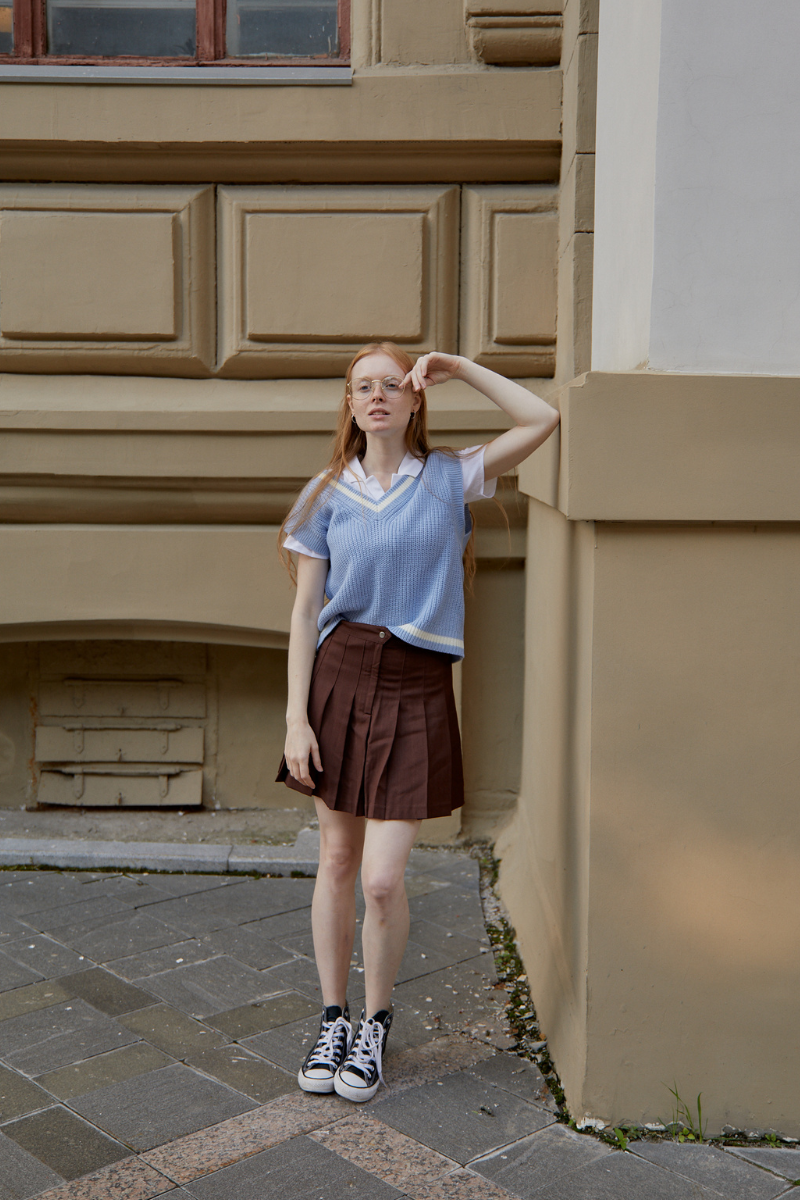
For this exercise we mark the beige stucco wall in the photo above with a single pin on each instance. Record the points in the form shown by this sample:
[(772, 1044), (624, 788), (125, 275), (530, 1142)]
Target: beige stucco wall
[(544, 850), (694, 910), (651, 866)]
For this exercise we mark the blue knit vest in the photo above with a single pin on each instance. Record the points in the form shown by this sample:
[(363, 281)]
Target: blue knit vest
[(396, 561)]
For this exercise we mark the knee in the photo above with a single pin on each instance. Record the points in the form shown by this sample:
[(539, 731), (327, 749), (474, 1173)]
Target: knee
[(382, 890), (340, 861)]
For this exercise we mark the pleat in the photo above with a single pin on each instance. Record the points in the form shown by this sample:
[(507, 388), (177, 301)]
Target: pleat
[(438, 741), (324, 676), (334, 718), (383, 733)]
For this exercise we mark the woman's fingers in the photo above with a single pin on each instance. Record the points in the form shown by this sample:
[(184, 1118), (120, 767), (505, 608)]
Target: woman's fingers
[(299, 771), (315, 756)]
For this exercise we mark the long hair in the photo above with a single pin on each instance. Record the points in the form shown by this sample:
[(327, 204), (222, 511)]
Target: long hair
[(351, 442)]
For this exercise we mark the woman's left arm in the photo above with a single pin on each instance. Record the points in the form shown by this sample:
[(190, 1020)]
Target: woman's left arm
[(534, 419)]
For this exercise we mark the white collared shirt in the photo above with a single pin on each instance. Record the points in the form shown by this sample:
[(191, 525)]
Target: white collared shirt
[(476, 486)]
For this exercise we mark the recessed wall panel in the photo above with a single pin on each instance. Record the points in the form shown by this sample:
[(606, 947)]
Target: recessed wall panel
[(106, 279), (307, 275), (334, 276), (87, 276), (509, 255)]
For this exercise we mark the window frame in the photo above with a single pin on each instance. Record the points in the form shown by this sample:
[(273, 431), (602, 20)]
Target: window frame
[(30, 43)]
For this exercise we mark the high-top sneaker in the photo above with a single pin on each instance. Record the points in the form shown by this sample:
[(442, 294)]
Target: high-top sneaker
[(328, 1052), (361, 1073)]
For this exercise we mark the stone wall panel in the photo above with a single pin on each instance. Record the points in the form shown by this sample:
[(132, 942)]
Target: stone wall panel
[(106, 279), (508, 278), (308, 274)]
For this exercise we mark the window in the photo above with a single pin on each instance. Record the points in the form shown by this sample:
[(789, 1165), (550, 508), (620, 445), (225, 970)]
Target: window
[(160, 32)]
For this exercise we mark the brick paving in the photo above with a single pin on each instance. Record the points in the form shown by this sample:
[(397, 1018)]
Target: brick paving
[(151, 1026)]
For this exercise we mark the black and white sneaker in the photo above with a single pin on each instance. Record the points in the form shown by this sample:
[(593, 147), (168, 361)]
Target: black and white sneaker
[(360, 1074), (328, 1052)]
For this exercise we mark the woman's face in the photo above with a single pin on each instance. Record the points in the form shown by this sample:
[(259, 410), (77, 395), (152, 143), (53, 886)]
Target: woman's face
[(375, 412)]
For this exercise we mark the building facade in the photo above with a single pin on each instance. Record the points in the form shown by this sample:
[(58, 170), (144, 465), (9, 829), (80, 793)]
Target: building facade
[(192, 245)]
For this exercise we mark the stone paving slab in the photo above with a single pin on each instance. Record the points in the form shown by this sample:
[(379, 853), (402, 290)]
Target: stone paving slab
[(543, 1160), (69, 1146), (213, 986), (14, 975), (52, 1037), (172, 1031), (44, 955), (160, 958), (250, 1019), (619, 1177), (31, 999), (244, 1071), (129, 1179), (92, 1073), (294, 1171), (716, 1171), (460, 1118), (21, 1174), (108, 940), (781, 1162), (19, 1095), (149, 1109)]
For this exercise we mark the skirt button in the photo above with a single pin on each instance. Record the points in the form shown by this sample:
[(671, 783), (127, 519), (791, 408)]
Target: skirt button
[(381, 634)]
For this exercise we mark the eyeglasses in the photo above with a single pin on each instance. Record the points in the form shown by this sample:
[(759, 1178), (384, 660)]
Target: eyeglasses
[(391, 386)]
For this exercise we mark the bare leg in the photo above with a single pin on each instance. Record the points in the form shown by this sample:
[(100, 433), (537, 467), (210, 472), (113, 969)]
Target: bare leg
[(387, 845), (333, 909)]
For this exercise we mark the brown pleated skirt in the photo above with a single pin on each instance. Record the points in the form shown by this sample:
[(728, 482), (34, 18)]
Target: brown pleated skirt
[(384, 715)]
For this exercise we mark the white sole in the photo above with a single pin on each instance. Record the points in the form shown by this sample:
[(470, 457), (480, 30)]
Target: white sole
[(319, 1086), (356, 1094)]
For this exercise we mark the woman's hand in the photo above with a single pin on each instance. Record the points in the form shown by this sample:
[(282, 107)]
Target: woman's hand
[(300, 744), (431, 369)]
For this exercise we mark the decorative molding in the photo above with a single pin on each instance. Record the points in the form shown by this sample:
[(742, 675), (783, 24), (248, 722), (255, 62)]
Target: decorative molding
[(307, 275), (114, 279), (509, 247), (507, 160), (511, 40)]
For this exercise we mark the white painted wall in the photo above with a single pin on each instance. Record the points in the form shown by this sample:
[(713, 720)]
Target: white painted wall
[(723, 205), (627, 111), (726, 288)]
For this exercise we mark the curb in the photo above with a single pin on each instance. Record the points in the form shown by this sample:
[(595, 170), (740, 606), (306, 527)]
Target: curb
[(66, 854)]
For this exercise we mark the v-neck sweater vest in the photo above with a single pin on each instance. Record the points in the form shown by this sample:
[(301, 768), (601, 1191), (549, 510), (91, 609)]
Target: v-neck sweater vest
[(397, 561)]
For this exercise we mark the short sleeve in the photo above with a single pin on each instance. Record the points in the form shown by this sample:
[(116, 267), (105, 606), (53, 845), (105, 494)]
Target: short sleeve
[(475, 486), (291, 543), (312, 528)]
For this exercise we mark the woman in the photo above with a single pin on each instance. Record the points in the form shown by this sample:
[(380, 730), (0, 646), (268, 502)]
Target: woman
[(377, 622)]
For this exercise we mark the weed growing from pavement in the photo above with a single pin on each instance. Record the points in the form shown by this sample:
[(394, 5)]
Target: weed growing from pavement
[(520, 1012), (690, 1130), (685, 1126)]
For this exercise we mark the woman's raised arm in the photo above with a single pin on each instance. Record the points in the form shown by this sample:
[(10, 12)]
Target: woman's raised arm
[(534, 419)]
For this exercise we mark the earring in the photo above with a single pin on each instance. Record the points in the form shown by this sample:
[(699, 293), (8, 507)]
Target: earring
[(353, 418)]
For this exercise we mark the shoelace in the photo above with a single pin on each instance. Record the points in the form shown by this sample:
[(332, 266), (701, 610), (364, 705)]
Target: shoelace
[(367, 1048), (328, 1048)]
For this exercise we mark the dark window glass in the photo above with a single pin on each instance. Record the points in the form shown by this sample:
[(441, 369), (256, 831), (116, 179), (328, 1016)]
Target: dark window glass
[(107, 28), (285, 28), (6, 27)]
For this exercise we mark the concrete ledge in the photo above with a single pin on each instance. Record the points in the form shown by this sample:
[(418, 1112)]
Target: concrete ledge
[(65, 854), (650, 446)]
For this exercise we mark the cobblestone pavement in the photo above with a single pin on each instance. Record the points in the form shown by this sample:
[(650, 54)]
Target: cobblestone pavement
[(151, 1027)]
